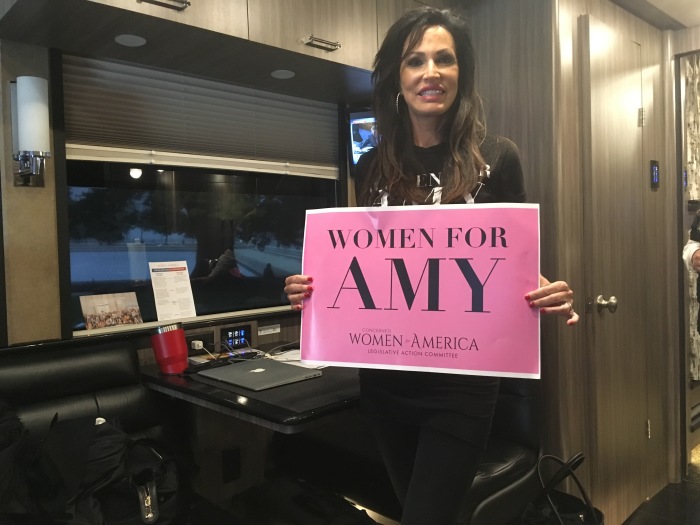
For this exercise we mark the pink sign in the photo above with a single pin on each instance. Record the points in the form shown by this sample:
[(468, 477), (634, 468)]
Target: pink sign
[(430, 288)]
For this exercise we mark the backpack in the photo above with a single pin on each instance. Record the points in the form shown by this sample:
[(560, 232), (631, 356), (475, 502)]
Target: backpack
[(151, 476), (93, 473)]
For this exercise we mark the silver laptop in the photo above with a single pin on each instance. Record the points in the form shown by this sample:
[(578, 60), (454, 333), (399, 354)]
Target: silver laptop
[(256, 374)]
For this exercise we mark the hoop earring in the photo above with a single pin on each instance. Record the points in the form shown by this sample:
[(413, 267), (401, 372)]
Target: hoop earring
[(398, 95)]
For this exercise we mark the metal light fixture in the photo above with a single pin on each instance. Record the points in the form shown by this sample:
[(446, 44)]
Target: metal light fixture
[(31, 143)]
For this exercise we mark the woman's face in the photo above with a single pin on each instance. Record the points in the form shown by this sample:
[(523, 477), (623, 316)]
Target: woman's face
[(430, 75)]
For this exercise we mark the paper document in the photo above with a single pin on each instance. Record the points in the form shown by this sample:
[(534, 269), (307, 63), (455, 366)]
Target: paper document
[(172, 290)]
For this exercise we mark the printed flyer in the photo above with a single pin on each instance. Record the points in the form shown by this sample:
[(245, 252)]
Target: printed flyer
[(426, 288), (172, 290)]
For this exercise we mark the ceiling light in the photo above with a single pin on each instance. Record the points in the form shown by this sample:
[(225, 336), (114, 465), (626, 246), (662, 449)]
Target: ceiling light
[(130, 40), (282, 74), (135, 173)]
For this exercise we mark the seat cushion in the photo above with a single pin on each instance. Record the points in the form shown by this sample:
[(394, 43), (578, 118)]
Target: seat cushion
[(39, 373)]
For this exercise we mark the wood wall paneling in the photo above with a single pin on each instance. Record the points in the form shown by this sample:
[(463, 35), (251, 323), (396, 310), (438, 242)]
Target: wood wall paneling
[(675, 401), (388, 11), (289, 329), (570, 372), (514, 78), (661, 316)]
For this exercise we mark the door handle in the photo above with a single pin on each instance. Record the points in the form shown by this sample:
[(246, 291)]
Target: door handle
[(320, 43), (610, 304)]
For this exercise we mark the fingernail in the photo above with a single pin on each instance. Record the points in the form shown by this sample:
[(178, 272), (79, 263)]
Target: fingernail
[(532, 303), (310, 279), (298, 307), (307, 294), (542, 311), (527, 297), (310, 288)]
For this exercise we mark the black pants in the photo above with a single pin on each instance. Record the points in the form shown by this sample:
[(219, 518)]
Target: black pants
[(431, 471)]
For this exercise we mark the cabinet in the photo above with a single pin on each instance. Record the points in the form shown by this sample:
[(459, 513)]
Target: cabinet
[(287, 23), (357, 26), (229, 17)]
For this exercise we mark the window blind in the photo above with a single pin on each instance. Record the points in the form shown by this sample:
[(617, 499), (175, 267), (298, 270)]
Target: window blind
[(127, 107)]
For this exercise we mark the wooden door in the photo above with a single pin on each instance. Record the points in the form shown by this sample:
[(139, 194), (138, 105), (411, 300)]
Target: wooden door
[(614, 181)]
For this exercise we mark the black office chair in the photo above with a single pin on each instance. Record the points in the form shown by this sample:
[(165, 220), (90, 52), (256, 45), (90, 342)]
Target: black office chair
[(341, 455)]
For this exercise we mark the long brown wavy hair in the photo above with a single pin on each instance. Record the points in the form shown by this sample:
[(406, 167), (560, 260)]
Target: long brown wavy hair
[(395, 164)]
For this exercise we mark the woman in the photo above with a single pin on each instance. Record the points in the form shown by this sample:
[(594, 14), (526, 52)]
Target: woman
[(432, 429)]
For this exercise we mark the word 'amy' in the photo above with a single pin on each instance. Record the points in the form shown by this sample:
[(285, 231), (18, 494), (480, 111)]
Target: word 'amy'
[(355, 282)]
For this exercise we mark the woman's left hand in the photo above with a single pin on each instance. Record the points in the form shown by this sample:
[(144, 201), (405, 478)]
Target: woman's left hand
[(554, 298)]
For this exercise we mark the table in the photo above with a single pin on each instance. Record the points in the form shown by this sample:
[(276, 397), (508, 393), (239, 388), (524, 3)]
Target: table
[(287, 409)]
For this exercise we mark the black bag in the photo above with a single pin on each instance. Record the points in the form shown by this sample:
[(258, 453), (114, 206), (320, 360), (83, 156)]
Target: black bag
[(88, 473), (148, 490), (554, 507)]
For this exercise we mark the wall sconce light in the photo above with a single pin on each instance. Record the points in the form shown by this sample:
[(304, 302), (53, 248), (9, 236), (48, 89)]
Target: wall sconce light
[(30, 129)]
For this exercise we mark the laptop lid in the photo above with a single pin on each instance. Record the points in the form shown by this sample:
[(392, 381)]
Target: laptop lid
[(256, 374)]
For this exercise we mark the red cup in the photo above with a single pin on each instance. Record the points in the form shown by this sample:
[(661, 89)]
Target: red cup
[(170, 348)]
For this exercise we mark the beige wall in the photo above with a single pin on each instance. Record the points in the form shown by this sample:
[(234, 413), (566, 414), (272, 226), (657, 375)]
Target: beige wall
[(29, 220), (685, 41)]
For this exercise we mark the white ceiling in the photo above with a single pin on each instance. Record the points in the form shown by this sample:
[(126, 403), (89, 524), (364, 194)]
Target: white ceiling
[(687, 12)]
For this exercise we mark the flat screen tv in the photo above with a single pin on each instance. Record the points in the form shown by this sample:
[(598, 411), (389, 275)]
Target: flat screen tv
[(240, 233), (363, 135)]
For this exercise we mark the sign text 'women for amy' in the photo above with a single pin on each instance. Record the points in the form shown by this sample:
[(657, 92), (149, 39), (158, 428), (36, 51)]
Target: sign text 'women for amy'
[(431, 288)]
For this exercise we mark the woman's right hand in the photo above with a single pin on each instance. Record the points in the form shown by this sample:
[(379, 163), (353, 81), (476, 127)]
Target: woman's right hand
[(298, 288), (695, 261)]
